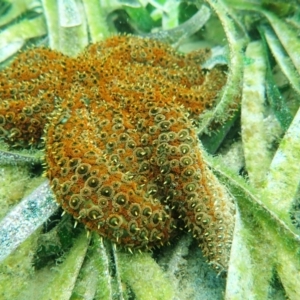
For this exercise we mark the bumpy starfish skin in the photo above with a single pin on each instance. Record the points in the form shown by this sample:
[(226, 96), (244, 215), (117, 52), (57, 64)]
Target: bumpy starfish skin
[(122, 153)]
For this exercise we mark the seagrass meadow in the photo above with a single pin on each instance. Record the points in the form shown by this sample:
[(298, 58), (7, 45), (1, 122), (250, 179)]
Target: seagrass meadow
[(149, 149)]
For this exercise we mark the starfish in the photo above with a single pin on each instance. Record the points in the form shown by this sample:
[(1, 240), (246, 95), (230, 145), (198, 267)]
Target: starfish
[(117, 124)]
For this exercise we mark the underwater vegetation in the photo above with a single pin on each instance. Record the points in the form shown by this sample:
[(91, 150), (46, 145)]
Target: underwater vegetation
[(114, 122)]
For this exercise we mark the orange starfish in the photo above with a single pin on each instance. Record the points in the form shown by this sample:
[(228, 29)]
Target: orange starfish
[(121, 150)]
